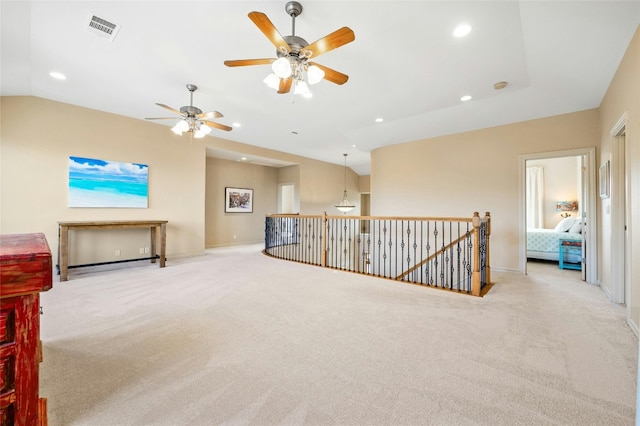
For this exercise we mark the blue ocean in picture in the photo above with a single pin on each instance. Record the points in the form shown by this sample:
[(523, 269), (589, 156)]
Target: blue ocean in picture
[(100, 183)]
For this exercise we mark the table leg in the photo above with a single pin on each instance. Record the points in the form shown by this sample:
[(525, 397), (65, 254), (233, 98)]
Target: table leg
[(63, 251), (163, 243), (153, 243)]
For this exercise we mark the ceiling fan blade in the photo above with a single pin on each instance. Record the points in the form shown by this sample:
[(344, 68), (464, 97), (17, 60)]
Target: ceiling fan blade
[(217, 125), (162, 118), (245, 62), (285, 85), (264, 24), (209, 115), (332, 41), (169, 108), (332, 75)]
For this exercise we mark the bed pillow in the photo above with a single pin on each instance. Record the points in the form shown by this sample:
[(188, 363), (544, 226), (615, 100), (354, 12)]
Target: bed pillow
[(565, 224), (576, 227)]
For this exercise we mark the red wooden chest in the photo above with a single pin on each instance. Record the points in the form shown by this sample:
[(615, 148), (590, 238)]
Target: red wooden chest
[(25, 271)]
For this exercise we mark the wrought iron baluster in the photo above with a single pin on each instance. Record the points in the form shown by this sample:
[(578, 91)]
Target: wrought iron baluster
[(458, 257), (421, 251), (450, 255), (404, 245), (384, 255), (413, 278), (428, 275)]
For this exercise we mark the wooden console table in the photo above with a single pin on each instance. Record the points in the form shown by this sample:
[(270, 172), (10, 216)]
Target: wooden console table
[(25, 271), (158, 239)]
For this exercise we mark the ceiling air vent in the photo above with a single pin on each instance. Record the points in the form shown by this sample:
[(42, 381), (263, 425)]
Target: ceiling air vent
[(102, 27)]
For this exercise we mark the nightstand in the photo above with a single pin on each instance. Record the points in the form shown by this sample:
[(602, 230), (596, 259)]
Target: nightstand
[(569, 247)]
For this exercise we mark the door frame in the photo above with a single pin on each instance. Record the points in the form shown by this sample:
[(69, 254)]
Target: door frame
[(590, 252), (296, 201), (620, 265)]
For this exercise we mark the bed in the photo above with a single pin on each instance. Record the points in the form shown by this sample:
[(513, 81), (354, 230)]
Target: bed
[(543, 243)]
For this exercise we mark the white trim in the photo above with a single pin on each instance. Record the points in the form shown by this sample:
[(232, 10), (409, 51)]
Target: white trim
[(590, 207), (618, 212), (618, 129), (606, 291), (633, 328)]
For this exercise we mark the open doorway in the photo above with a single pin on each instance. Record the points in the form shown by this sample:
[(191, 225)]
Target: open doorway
[(554, 211), (287, 199), (558, 213)]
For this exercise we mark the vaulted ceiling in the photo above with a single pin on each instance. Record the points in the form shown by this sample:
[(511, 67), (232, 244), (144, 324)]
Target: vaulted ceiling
[(404, 66)]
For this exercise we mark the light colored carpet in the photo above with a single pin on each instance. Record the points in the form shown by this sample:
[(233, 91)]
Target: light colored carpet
[(236, 337)]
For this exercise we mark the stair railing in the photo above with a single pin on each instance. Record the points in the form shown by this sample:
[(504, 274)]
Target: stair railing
[(444, 252)]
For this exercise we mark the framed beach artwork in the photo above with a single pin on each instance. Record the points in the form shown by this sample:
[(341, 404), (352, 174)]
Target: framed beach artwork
[(238, 200), (102, 183)]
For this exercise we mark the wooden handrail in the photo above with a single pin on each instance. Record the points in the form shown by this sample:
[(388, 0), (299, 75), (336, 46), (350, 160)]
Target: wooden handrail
[(420, 218)]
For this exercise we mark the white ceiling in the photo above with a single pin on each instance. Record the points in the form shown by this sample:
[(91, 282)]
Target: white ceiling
[(404, 65)]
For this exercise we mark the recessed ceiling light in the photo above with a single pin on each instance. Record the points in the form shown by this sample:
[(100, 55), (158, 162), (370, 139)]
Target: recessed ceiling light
[(243, 158), (236, 124), (500, 85), (465, 98), (379, 120), (462, 30), (58, 75), (353, 146)]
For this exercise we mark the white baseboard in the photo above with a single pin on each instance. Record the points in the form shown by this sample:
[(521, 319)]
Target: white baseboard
[(633, 327), (606, 291), (497, 269)]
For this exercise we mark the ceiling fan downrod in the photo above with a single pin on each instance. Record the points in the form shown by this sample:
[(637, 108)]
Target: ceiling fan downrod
[(190, 110), (191, 88), (293, 9)]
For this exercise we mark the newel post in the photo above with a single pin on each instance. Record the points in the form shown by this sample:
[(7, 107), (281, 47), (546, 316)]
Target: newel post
[(323, 261), (487, 266), (475, 278)]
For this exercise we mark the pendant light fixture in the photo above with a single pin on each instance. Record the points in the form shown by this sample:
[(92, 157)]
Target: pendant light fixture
[(345, 206)]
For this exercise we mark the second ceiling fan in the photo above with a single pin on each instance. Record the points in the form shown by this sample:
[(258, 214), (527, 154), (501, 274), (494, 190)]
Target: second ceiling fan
[(294, 55)]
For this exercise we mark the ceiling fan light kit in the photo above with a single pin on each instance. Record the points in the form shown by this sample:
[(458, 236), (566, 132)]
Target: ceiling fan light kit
[(193, 120), (293, 67)]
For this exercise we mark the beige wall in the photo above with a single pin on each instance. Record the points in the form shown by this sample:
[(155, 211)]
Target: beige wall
[(322, 186), (364, 183), (238, 228), (474, 171), (37, 138), (623, 96)]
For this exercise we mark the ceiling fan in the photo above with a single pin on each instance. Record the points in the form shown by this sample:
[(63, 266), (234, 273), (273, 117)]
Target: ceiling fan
[(295, 54), (193, 119)]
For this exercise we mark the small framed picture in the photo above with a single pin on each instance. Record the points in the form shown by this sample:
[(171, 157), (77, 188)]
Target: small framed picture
[(605, 180), (238, 200)]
